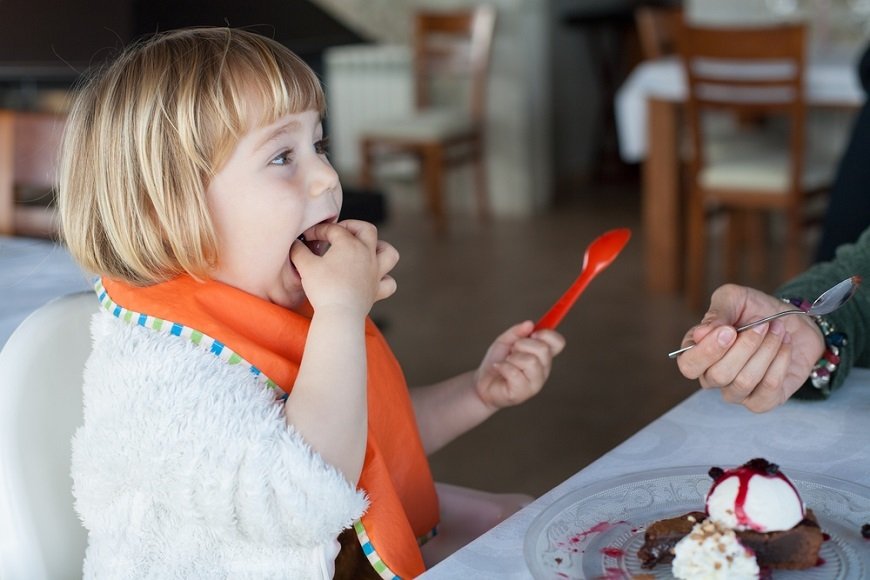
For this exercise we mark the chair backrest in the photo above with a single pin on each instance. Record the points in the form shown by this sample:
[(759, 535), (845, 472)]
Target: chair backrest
[(453, 44), (657, 29), (41, 369), (750, 72), (29, 147)]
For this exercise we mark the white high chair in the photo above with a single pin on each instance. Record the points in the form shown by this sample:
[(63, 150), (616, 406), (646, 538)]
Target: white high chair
[(41, 369)]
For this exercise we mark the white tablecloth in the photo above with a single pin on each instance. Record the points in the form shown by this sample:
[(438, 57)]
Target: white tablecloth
[(831, 81), (829, 437), (32, 272)]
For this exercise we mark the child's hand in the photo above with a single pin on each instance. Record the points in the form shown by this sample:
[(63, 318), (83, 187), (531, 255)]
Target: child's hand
[(516, 365), (353, 273)]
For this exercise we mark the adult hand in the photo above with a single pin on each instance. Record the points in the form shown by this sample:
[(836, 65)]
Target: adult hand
[(516, 365), (353, 273), (759, 368)]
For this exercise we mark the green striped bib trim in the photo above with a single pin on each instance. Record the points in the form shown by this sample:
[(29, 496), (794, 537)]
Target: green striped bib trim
[(201, 340)]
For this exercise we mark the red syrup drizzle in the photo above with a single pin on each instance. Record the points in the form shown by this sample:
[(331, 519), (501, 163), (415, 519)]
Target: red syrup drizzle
[(744, 473), (573, 543), (612, 552)]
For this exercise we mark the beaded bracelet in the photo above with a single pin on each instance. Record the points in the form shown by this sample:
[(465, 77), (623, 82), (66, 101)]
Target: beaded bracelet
[(823, 370)]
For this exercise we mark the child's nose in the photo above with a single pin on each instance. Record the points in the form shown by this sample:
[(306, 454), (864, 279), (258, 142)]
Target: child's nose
[(323, 179)]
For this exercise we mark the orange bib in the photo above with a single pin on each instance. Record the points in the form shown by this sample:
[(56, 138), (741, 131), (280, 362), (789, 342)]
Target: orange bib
[(395, 475)]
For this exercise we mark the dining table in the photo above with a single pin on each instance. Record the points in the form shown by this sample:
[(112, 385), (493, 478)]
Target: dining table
[(590, 525), (648, 106)]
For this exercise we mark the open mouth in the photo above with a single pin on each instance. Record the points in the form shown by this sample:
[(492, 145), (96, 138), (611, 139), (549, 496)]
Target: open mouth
[(317, 247)]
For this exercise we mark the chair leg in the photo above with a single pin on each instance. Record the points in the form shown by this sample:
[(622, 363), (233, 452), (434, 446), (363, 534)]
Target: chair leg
[(794, 251), (366, 157), (480, 183), (433, 183), (696, 242), (735, 239), (757, 243), (7, 189)]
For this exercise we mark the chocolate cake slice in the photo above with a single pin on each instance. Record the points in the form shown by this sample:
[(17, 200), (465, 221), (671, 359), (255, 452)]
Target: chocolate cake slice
[(661, 537), (794, 549)]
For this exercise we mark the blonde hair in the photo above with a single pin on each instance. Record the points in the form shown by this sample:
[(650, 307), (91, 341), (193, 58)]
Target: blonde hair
[(146, 134)]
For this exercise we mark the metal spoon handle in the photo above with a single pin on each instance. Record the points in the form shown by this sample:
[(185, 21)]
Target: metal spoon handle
[(747, 326), (771, 317)]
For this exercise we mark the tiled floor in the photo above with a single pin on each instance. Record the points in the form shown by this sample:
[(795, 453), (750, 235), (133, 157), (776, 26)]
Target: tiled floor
[(457, 292)]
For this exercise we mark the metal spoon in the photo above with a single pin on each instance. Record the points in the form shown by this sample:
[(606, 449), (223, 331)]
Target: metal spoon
[(830, 300)]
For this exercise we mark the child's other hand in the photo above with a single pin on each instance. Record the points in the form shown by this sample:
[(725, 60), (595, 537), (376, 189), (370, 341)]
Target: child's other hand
[(353, 273), (517, 365)]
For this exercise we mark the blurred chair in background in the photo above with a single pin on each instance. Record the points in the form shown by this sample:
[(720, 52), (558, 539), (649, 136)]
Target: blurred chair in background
[(41, 365), (451, 49), (657, 29), (29, 144), (762, 167)]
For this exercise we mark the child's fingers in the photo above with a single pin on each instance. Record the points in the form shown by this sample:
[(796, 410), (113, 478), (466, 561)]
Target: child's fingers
[(515, 332), (554, 340), (364, 231), (386, 287), (300, 254), (513, 390), (387, 257), (534, 368)]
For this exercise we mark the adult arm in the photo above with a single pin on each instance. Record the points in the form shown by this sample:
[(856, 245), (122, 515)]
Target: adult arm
[(853, 319)]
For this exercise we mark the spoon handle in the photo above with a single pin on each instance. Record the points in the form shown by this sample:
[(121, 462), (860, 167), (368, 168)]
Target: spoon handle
[(767, 318), (747, 326)]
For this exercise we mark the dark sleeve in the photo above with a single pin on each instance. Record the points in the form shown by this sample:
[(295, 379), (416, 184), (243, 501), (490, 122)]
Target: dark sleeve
[(848, 211), (853, 318)]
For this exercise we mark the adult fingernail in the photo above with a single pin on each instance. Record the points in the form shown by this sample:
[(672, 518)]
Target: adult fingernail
[(725, 336), (761, 328), (787, 338)]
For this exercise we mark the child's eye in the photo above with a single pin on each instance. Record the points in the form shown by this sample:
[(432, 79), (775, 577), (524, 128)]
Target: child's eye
[(283, 158), (322, 146)]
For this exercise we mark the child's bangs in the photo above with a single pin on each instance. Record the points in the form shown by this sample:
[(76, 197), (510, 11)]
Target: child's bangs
[(277, 84)]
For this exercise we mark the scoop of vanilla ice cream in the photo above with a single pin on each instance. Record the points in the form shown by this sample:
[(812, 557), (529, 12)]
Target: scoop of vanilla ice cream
[(713, 552), (771, 504)]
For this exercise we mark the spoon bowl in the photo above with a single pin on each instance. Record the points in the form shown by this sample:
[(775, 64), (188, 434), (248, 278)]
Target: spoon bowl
[(827, 302), (599, 254)]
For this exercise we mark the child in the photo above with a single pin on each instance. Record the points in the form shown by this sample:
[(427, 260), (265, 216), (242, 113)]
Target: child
[(242, 416)]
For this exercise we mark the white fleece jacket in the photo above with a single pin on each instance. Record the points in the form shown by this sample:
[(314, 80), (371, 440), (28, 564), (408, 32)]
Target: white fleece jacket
[(185, 468)]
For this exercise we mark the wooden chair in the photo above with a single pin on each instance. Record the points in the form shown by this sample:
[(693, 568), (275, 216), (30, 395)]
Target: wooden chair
[(760, 167), (29, 144), (447, 46), (657, 29)]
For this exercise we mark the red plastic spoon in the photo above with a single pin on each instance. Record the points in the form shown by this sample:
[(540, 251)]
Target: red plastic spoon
[(600, 253)]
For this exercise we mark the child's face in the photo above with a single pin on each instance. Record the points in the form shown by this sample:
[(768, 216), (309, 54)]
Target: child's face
[(276, 184)]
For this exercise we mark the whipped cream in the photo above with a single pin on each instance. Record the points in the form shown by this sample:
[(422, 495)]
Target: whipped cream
[(713, 552), (755, 496)]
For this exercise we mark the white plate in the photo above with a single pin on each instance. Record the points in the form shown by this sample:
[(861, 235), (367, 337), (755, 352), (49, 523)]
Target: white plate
[(596, 531)]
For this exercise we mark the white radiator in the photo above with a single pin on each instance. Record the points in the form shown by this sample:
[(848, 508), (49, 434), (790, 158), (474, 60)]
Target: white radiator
[(364, 84)]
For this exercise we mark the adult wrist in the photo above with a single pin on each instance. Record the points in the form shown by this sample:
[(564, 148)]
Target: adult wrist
[(822, 373)]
